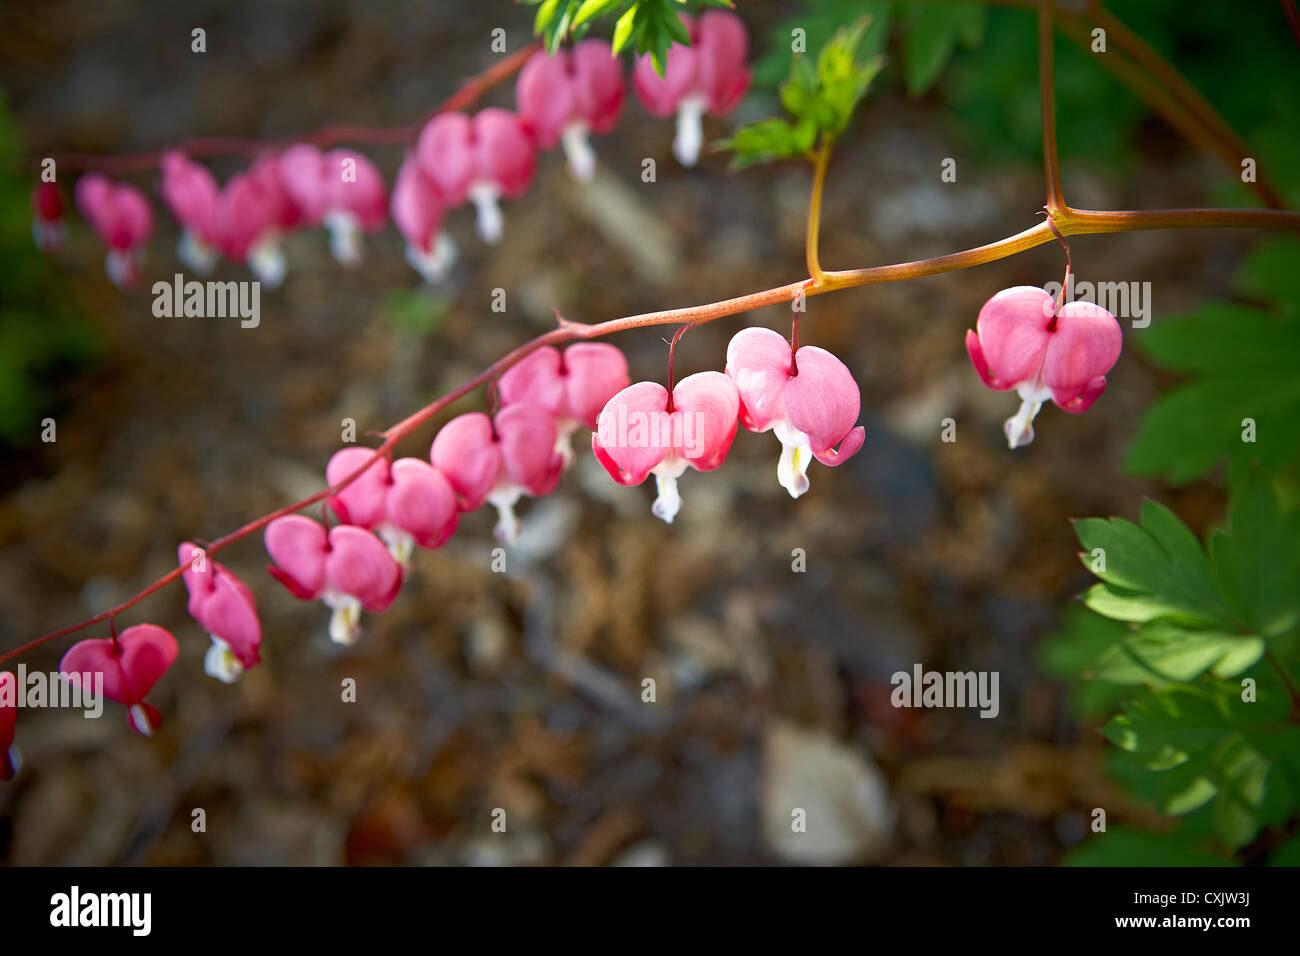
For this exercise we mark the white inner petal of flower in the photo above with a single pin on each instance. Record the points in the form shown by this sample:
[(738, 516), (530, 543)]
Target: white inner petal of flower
[(220, 662), (140, 720), (690, 130), (432, 265), (401, 544), (196, 253), (796, 454), (266, 259), (345, 236), (668, 502), (503, 497), (578, 152), (345, 621), (121, 267), (1019, 428), (564, 429), (489, 224)]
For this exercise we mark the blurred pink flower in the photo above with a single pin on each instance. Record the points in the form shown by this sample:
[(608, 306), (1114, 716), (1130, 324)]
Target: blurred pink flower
[(480, 159), (709, 76), (563, 98)]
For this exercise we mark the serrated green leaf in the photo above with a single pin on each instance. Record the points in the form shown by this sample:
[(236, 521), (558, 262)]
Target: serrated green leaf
[(1154, 571), (1160, 653), (1189, 747), (1242, 400)]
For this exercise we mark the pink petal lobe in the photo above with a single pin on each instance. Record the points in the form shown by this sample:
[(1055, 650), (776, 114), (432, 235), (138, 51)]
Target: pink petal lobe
[(527, 440), (446, 156), (363, 499), (1012, 329), (422, 502), (359, 565), (536, 379), (823, 400), (466, 452), (594, 373), (1085, 347), (758, 361), (633, 432), (711, 402), (298, 546)]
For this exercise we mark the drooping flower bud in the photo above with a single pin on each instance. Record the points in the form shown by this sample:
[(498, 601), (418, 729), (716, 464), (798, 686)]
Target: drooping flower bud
[(572, 385), (190, 192), (342, 189), (131, 664), (122, 217), (645, 431), (499, 460), (47, 217), (807, 398), (480, 159), (224, 607), (410, 503), (348, 568), (418, 212), (1022, 341), (563, 98), (709, 76), (253, 212)]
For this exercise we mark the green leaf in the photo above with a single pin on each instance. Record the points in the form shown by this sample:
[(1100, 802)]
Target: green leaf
[(820, 97), (1070, 653), (1150, 572), (932, 37), (1241, 401), (591, 9), (1256, 562), (1158, 654), (1124, 846), (623, 30), (1204, 746), (817, 21)]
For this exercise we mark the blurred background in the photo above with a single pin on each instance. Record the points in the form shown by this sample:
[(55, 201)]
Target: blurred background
[(522, 691)]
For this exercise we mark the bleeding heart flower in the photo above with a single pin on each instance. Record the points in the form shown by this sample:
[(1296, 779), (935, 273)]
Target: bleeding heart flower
[(572, 385), (498, 460), (123, 219), (418, 212), (131, 665), (8, 720), (224, 607), (808, 398), (347, 567), (479, 159), (710, 75), (564, 97), (47, 217), (251, 210), (406, 504), (190, 192), (342, 189), (643, 430), (1021, 341)]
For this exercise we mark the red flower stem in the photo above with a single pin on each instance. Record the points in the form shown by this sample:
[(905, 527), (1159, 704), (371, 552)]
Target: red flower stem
[(1068, 221), (325, 137)]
